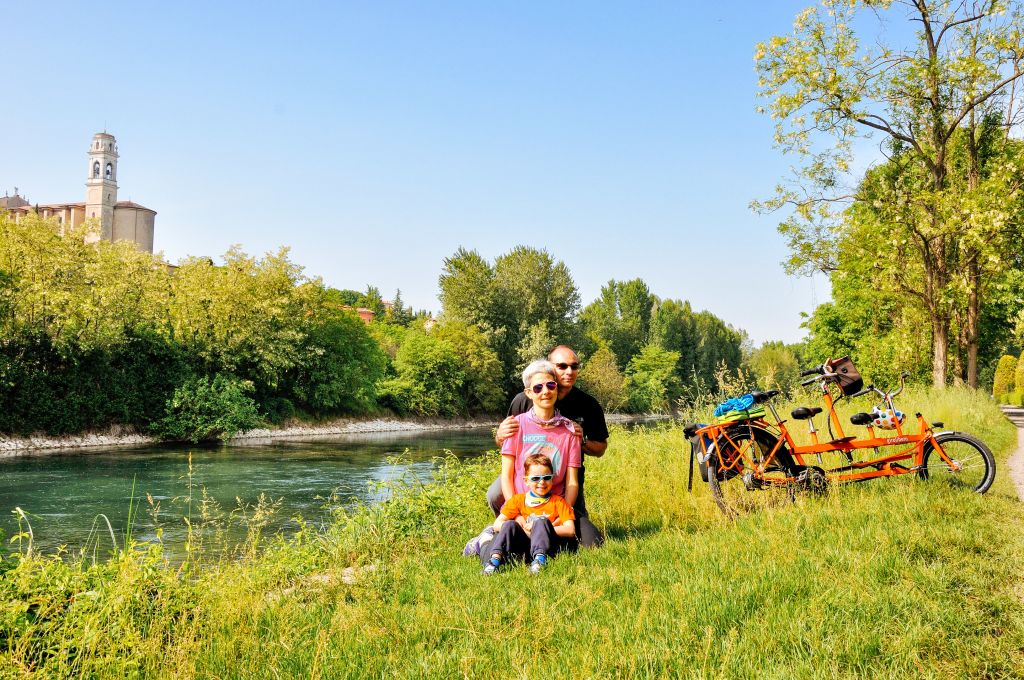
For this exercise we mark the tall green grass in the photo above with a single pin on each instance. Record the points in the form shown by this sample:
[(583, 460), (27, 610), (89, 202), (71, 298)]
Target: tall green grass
[(892, 578)]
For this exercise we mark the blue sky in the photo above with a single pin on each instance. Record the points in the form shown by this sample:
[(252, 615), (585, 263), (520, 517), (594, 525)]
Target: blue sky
[(376, 138)]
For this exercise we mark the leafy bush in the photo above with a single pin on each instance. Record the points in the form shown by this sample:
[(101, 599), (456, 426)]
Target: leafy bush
[(339, 366), (602, 378), (203, 409), (431, 378), (652, 381), (1004, 381)]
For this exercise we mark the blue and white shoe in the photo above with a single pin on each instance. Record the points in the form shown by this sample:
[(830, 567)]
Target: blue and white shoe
[(540, 560), (492, 566)]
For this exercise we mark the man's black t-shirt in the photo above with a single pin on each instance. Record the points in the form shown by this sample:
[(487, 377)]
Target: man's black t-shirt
[(578, 406)]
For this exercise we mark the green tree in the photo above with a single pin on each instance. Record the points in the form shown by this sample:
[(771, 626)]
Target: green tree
[(776, 365), (481, 390), (245, 317), (621, 318), (372, 300), (602, 379), (1005, 382), (339, 364), (524, 290), (651, 380), (203, 409), (823, 82), (430, 380), (1018, 375), (399, 314)]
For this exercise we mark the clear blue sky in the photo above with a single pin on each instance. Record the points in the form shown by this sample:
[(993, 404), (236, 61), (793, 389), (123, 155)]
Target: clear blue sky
[(376, 138)]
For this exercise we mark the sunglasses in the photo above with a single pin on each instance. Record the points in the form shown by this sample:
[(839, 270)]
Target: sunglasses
[(552, 385), (574, 366), (541, 478)]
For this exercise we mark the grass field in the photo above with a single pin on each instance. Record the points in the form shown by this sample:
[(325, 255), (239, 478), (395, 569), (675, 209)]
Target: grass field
[(892, 578)]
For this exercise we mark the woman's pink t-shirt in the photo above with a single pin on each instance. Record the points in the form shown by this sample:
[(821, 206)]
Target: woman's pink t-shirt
[(559, 443)]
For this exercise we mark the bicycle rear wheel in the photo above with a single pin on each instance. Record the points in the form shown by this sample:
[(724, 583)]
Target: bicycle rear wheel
[(974, 466), (735, 488)]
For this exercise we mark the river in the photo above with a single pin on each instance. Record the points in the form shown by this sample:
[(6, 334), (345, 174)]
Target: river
[(65, 494)]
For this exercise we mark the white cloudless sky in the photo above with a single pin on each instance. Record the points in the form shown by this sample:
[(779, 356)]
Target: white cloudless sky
[(374, 139)]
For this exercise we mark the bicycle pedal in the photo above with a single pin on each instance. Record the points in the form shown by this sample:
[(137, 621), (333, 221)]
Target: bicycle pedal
[(750, 482)]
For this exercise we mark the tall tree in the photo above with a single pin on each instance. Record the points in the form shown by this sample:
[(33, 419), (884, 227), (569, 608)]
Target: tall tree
[(823, 82), (621, 318), (523, 300)]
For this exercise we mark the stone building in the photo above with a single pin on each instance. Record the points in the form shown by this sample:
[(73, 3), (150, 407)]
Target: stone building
[(118, 220)]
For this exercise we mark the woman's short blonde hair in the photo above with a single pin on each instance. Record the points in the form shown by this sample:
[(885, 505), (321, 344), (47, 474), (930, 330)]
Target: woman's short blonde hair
[(535, 367)]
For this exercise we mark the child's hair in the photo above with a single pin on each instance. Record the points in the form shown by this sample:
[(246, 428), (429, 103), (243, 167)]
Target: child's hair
[(537, 459)]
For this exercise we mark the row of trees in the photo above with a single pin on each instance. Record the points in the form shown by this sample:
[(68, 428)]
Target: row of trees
[(643, 353), (924, 249), (99, 334)]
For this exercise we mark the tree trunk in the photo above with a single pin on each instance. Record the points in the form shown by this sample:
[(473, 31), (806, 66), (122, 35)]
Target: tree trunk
[(973, 269), (973, 323), (940, 350)]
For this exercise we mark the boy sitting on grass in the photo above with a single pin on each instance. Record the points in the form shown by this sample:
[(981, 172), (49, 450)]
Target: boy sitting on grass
[(535, 524)]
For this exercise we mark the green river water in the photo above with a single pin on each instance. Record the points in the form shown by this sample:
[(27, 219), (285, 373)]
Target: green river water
[(64, 494)]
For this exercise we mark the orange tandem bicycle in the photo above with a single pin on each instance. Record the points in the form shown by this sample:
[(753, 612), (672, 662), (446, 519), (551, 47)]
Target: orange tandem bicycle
[(750, 463)]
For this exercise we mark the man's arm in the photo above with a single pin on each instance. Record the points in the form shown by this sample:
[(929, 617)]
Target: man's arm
[(594, 449)]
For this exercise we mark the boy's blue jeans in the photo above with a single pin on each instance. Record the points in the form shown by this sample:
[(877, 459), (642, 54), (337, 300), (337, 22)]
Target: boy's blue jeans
[(512, 541)]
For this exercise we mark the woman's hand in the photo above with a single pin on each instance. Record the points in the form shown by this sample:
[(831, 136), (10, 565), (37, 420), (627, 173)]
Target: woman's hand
[(566, 529)]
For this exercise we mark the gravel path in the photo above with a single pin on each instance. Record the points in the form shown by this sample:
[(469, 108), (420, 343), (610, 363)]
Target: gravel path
[(1016, 416)]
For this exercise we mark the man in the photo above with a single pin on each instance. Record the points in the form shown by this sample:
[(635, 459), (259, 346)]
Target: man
[(577, 405)]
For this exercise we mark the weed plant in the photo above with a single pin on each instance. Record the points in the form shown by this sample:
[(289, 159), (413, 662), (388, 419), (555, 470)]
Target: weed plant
[(891, 578)]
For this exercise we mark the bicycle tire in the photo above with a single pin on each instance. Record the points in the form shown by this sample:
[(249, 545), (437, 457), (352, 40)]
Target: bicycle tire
[(978, 469), (728, 488)]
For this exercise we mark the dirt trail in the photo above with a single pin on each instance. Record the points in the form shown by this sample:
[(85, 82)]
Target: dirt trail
[(1016, 416)]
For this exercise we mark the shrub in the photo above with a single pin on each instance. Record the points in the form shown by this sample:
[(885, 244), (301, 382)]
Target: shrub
[(602, 378), (652, 381), (203, 410), (1004, 381), (1018, 375)]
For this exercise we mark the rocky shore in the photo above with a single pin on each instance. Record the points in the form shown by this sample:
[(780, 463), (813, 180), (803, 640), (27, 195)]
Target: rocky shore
[(123, 437), (117, 436)]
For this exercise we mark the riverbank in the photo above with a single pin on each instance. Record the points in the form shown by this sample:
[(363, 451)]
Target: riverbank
[(118, 437), (868, 580)]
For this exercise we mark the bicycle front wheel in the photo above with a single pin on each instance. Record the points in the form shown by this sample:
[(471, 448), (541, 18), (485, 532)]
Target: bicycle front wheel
[(736, 488), (971, 465)]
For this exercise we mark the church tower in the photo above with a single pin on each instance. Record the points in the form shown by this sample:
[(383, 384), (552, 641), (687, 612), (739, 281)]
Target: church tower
[(101, 185)]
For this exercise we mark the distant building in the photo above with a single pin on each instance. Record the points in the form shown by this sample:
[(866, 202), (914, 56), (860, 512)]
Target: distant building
[(119, 220)]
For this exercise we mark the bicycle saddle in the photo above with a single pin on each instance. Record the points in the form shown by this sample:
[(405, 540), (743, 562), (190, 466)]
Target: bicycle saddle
[(803, 413), (861, 419)]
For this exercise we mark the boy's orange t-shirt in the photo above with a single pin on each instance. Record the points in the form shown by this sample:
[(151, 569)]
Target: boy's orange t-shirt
[(555, 507)]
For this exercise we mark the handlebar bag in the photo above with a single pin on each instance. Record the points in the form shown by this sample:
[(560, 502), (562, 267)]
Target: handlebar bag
[(847, 376)]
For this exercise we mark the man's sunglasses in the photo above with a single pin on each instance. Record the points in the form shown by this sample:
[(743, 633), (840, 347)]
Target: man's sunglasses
[(563, 366), (541, 478), (552, 385)]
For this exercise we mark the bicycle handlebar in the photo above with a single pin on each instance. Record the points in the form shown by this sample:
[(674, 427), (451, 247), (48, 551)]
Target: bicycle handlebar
[(817, 370)]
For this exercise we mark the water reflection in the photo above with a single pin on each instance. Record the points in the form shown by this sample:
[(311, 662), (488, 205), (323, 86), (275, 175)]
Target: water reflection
[(63, 494)]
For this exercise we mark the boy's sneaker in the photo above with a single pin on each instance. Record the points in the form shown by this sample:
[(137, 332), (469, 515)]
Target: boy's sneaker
[(492, 566), (539, 562)]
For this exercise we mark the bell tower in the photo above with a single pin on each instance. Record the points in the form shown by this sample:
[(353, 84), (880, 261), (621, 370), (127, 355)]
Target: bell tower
[(101, 185)]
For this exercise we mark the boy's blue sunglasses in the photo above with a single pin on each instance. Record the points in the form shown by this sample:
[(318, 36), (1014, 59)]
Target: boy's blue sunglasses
[(541, 478)]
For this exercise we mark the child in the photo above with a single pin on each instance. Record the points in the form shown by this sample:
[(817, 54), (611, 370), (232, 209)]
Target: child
[(534, 524)]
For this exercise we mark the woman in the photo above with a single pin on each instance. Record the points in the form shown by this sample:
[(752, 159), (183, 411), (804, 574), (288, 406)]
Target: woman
[(542, 430)]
